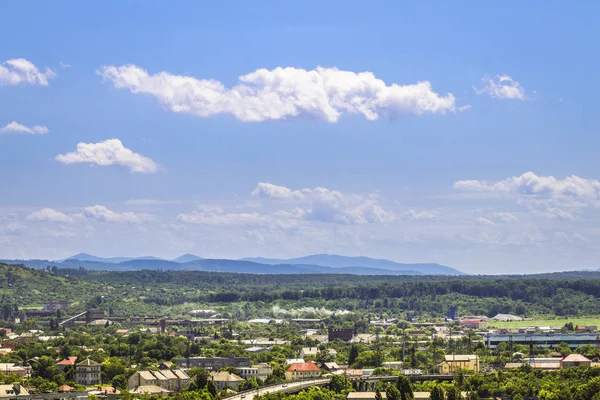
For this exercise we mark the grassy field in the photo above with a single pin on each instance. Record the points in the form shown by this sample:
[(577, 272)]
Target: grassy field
[(555, 322)]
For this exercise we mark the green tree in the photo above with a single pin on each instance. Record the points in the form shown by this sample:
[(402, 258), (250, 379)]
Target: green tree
[(517, 397), (211, 388), (392, 392), (44, 368), (453, 393), (437, 393), (472, 396), (378, 395), (339, 383), (353, 354), (119, 382), (405, 388)]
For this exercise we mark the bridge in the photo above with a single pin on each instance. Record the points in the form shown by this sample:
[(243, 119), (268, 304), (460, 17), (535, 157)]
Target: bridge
[(67, 322), (361, 384), (291, 387)]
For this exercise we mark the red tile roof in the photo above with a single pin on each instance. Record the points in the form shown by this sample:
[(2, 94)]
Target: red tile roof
[(68, 361), (303, 367)]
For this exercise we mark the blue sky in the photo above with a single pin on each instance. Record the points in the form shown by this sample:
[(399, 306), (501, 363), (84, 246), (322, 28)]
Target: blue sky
[(464, 134)]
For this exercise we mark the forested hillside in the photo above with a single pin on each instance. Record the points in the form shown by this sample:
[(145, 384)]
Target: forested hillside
[(250, 296)]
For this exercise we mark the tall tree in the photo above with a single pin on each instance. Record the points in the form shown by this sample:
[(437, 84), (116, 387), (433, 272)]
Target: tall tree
[(437, 393), (405, 388)]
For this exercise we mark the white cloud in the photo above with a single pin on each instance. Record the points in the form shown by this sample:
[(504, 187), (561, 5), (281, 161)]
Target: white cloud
[(423, 215), (322, 93), (271, 191), (49, 215), (65, 65), (15, 127), (109, 152), (530, 184), (327, 205), (211, 215), (103, 214), (502, 87), (19, 70)]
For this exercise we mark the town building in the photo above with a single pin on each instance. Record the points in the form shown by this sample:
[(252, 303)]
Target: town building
[(344, 334), (547, 340), (309, 351), (213, 363), (67, 362), (541, 363), (14, 392), (575, 360), (171, 380), (393, 365), (87, 373), (261, 371), (306, 370), (473, 323), (93, 314), (224, 379), (464, 361), (12, 368)]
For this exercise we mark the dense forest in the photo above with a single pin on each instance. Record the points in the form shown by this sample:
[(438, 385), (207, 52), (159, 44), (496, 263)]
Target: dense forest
[(251, 295)]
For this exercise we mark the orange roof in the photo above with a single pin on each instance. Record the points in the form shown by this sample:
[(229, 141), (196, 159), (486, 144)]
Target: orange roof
[(303, 367), (68, 361), (65, 388)]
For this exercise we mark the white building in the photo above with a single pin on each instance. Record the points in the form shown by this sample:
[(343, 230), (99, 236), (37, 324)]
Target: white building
[(87, 373)]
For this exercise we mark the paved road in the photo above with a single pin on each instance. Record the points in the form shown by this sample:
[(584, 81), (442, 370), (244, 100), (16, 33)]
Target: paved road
[(284, 387), (299, 385)]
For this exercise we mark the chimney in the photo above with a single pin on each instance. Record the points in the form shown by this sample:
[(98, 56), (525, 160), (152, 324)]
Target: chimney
[(17, 388)]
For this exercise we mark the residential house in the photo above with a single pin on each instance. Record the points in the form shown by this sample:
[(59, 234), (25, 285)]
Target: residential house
[(575, 360), (12, 368), (213, 363), (473, 323), (67, 362), (453, 362), (87, 373), (14, 392), (393, 365), (309, 351), (149, 390), (290, 361), (224, 379), (330, 366), (257, 349), (171, 380), (306, 370), (261, 371), (541, 363)]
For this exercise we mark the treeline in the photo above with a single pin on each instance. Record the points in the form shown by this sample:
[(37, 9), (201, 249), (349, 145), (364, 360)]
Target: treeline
[(559, 297)]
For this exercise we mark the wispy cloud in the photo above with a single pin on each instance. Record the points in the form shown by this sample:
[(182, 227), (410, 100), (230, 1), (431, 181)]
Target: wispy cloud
[(103, 214), (321, 93), (15, 127), (502, 87)]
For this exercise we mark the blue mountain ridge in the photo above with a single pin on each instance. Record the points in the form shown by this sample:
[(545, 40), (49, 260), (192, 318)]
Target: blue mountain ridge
[(313, 264)]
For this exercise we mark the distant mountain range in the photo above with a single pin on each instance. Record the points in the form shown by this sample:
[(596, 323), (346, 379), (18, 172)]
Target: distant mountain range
[(313, 264)]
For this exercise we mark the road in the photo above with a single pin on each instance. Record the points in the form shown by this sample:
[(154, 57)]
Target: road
[(283, 387)]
